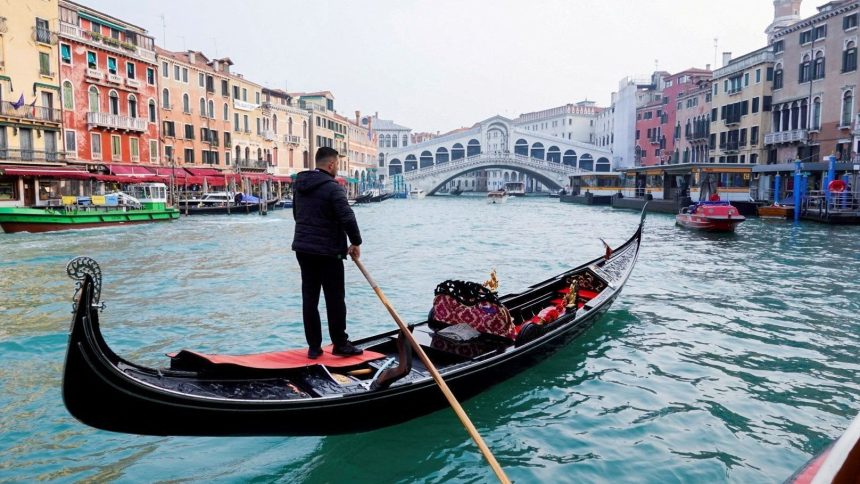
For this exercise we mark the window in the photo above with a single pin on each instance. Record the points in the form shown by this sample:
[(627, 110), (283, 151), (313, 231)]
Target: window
[(227, 139), (150, 76), (152, 111), (805, 37), (189, 155), (153, 151), (805, 70), (45, 64), (130, 70), (849, 57), (257, 97), (185, 75), (176, 73), (746, 79), (95, 146), (225, 87), (113, 102), (71, 142), (189, 131), (820, 32), (236, 122), (244, 94), (777, 78), (755, 105), (259, 130), (778, 46), (201, 79), (186, 103), (818, 67), (168, 153), (165, 70), (757, 76), (202, 107), (754, 135), (93, 95), (849, 21), (766, 103), (226, 113), (816, 113), (165, 99), (66, 53), (115, 147), (134, 148), (111, 65), (246, 125), (211, 109), (68, 96), (169, 129), (132, 106), (235, 92), (847, 108), (95, 27)]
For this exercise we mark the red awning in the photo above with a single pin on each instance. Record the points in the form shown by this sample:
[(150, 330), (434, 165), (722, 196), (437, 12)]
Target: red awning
[(68, 172), (129, 170), (207, 172), (256, 176), (168, 172), (282, 179), (130, 179)]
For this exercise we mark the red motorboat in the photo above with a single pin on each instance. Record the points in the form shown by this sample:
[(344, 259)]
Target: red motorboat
[(713, 216)]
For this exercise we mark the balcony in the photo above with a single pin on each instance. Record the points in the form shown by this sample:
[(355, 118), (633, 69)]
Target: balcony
[(26, 111), (132, 83), (293, 140), (792, 136), (269, 135), (7, 154), (729, 147), (115, 121), (95, 74), (732, 120), (44, 36), (255, 164), (107, 43)]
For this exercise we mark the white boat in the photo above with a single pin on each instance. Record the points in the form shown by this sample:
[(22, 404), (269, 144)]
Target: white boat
[(500, 196), (417, 193), (515, 189)]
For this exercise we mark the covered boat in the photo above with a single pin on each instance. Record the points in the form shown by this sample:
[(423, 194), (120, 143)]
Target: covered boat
[(284, 393), (713, 216)]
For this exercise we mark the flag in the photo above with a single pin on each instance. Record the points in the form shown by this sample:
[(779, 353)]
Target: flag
[(19, 103)]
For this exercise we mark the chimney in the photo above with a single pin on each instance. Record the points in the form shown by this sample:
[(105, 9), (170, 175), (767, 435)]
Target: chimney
[(192, 57), (358, 117), (707, 67), (376, 115), (727, 57)]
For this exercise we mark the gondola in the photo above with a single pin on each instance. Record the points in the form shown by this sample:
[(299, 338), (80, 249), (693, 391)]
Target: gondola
[(232, 209), (197, 397)]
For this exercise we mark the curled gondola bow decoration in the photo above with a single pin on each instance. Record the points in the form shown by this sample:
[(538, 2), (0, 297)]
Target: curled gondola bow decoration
[(81, 267)]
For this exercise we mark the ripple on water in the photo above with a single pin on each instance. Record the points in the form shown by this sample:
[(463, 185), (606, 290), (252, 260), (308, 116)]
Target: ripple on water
[(726, 358)]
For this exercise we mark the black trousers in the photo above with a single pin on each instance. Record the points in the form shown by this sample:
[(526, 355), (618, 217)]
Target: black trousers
[(319, 271)]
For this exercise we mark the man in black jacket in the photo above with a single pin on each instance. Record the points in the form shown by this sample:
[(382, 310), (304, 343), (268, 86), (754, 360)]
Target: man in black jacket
[(324, 220)]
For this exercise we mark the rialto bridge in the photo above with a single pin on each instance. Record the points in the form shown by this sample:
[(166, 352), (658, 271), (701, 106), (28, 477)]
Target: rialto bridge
[(493, 143)]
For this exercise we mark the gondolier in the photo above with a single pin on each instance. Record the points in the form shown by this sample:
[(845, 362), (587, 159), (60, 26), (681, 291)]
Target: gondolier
[(324, 221)]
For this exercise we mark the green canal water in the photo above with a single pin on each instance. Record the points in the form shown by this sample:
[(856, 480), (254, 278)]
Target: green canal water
[(726, 358)]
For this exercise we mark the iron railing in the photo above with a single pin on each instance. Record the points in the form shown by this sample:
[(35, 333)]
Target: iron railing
[(489, 158), (8, 154), (28, 111)]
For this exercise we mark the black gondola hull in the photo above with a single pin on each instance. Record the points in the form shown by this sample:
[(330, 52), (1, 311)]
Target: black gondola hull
[(104, 391)]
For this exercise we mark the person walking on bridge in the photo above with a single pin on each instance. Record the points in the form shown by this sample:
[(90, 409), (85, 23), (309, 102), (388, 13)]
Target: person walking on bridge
[(324, 221)]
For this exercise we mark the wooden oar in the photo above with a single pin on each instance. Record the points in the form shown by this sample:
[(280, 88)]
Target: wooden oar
[(452, 400)]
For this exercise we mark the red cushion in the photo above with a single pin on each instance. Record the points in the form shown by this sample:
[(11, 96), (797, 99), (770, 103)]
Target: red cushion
[(281, 360)]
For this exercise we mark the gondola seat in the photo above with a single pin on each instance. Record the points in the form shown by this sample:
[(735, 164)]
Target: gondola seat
[(276, 360)]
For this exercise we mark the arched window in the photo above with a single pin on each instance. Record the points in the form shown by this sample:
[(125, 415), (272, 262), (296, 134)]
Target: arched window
[(442, 155), (226, 113), (238, 154), (457, 152), (426, 159), (537, 151), (211, 109), (406, 139), (132, 106), (304, 130), (68, 96), (473, 148), (186, 103), (152, 111), (778, 76), (382, 141), (394, 141), (507, 176), (602, 164), (94, 99), (818, 70), (553, 154), (247, 153), (569, 158), (411, 163), (202, 107), (586, 162), (113, 102), (395, 167), (521, 147), (805, 69), (259, 154), (849, 57), (816, 113), (275, 123), (847, 108), (381, 159), (165, 98)]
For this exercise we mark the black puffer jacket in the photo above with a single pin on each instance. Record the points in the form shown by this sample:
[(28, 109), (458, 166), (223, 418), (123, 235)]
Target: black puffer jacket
[(323, 217)]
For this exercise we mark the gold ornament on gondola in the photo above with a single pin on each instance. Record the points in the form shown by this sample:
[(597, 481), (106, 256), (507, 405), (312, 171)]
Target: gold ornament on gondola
[(570, 298), (492, 283)]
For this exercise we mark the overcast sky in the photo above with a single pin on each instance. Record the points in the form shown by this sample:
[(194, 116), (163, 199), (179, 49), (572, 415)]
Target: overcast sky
[(443, 64)]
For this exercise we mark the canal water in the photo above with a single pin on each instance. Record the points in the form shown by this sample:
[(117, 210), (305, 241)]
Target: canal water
[(726, 357)]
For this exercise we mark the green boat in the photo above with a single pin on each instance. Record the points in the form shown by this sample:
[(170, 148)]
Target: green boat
[(144, 203)]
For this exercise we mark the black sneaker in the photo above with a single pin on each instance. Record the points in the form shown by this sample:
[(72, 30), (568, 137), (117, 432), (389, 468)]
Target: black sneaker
[(346, 349), (314, 353)]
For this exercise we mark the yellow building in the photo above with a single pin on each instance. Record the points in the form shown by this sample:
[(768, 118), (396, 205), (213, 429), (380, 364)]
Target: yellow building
[(363, 148), (327, 127), (252, 144), (289, 126), (30, 118)]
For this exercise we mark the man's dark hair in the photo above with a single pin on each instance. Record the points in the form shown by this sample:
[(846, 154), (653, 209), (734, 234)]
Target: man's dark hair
[(325, 152)]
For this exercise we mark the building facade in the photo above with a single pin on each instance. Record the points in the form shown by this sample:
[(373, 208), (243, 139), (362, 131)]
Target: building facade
[(815, 85), (631, 95), (30, 118), (195, 111), (741, 108), (693, 125), (362, 153), (390, 137), (109, 84), (289, 125), (574, 122)]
